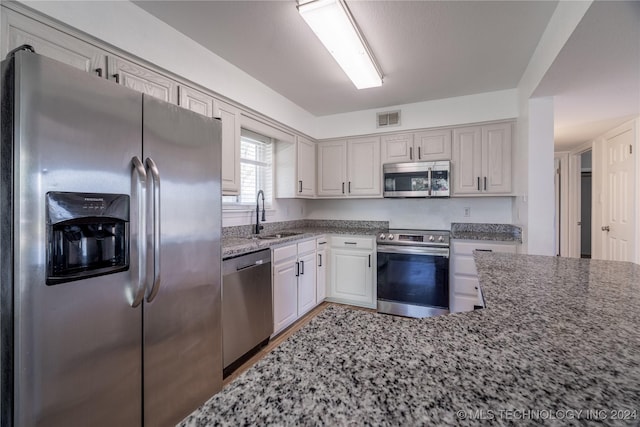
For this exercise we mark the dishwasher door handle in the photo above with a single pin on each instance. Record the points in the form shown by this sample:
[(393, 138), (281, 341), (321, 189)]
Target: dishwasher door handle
[(255, 264)]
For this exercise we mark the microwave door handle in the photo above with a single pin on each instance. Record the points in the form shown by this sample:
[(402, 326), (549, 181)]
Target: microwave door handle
[(139, 176), (155, 179), (429, 175)]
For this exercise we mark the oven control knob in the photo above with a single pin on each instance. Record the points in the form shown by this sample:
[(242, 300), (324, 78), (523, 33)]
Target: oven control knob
[(441, 239), (382, 236), (431, 238), (390, 236)]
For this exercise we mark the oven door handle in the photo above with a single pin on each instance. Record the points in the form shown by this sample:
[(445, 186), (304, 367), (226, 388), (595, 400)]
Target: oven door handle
[(387, 249)]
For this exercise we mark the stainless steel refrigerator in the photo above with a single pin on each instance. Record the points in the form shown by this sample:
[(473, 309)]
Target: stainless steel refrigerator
[(110, 252)]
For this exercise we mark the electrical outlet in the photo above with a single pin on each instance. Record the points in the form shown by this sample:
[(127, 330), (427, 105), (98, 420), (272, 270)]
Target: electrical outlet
[(467, 212)]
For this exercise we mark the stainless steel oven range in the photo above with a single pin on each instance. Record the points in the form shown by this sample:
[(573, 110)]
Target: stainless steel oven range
[(413, 272)]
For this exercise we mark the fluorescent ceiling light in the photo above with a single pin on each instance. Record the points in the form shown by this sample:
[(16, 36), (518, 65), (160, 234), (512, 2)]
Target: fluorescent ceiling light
[(336, 29)]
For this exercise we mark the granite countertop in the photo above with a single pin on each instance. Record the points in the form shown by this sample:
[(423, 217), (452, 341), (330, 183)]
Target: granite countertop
[(557, 345), (478, 231), (234, 245)]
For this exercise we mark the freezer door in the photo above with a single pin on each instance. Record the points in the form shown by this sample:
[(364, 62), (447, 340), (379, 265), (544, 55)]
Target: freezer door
[(77, 345), (182, 312)]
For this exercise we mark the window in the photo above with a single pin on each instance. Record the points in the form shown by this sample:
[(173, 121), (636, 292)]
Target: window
[(256, 171)]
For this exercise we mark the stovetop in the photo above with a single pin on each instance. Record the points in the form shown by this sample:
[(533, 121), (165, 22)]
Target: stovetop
[(414, 238)]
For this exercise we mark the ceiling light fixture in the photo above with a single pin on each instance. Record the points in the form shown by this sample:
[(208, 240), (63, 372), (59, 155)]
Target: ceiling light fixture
[(332, 22)]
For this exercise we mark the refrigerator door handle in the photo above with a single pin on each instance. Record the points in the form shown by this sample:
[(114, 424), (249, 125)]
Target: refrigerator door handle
[(155, 179), (140, 176)]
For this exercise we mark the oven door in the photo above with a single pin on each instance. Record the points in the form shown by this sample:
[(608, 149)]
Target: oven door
[(413, 281)]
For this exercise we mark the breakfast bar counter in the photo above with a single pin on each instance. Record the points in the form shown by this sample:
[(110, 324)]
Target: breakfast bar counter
[(557, 344)]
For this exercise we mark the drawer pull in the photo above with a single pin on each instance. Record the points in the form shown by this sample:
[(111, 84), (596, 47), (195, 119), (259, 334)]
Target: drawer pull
[(322, 243), (350, 243), (484, 250)]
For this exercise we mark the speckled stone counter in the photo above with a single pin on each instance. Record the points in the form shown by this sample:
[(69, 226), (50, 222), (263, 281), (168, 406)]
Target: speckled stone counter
[(497, 232), (238, 241), (558, 345)]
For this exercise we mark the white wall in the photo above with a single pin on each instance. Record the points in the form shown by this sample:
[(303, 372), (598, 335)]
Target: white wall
[(442, 112), (281, 210), (414, 213), (563, 22)]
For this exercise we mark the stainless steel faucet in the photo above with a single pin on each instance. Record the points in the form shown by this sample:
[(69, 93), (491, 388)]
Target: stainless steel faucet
[(264, 218)]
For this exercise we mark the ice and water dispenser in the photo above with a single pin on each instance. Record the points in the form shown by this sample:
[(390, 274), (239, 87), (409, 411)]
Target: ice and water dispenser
[(87, 235)]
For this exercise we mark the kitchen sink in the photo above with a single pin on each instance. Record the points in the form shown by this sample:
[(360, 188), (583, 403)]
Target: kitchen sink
[(275, 235)]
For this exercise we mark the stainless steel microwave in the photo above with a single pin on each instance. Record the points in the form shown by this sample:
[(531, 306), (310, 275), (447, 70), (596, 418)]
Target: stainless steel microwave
[(418, 179)]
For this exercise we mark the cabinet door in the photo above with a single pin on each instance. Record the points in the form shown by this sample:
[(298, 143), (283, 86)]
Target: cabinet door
[(397, 148), (142, 79), (18, 30), (467, 160), (332, 168), (194, 100), (352, 277), (433, 145), (307, 283), (321, 276), (306, 185), (285, 295), (364, 167), (230, 117), (496, 158)]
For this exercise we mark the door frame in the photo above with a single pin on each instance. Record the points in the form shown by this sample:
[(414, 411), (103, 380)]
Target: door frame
[(561, 166)]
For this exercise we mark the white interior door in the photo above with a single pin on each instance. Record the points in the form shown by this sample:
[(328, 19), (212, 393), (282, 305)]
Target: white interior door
[(618, 228)]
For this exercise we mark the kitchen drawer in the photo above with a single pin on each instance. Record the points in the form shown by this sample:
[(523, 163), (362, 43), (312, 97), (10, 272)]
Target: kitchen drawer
[(285, 253), (466, 285), (461, 264), (467, 248), (321, 242), (306, 246), (352, 242)]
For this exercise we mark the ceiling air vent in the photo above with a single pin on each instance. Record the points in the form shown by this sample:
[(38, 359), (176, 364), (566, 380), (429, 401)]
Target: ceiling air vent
[(389, 118)]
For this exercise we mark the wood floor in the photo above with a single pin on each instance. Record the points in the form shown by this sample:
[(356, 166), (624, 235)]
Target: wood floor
[(277, 340)]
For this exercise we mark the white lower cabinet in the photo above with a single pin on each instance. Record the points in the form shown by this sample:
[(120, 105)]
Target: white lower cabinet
[(464, 289), (294, 282), (321, 267), (352, 266)]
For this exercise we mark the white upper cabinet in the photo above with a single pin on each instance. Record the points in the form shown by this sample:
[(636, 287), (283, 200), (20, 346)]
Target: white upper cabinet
[(306, 166), (496, 157), (18, 30), (195, 100), (363, 170), (432, 145), (349, 168), (142, 79), (397, 148), (481, 161), (230, 117), (332, 168)]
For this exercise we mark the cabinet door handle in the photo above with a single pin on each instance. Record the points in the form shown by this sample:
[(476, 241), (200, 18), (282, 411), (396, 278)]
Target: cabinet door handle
[(478, 183), (297, 269), (369, 260), (350, 243), (419, 154), (300, 186), (485, 183), (117, 77), (410, 153), (320, 259), (98, 72), (322, 243), (343, 188), (301, 267), (349, 187)]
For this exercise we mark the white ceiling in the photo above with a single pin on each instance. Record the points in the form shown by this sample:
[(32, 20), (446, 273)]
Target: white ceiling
[(427, 49), (430, 50), (595, 80)]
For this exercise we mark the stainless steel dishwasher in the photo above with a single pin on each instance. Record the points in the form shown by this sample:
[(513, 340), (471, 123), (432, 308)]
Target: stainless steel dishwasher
[(247, 308)]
